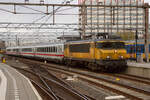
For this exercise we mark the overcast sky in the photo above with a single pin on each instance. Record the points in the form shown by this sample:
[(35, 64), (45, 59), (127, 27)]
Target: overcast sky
[(147, 0), (7, 17), (29, 18)]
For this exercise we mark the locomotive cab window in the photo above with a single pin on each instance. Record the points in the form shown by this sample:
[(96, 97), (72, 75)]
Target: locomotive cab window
[(84, 48), (111, 45)]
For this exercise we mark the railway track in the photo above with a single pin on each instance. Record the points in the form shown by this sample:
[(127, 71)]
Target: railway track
[(110, 85), (129, 91), (134, 78), (54, 87), (59, 85), (50, 94)]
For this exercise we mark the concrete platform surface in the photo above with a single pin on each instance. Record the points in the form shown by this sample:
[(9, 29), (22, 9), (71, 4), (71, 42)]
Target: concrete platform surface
[(138, 69), (15, 86), (136, 64)]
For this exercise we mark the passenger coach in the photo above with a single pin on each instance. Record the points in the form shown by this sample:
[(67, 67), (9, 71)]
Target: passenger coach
[(134, 50), (53, 52)]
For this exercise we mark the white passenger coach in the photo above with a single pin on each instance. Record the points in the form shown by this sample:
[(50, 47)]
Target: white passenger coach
[(47, 52)]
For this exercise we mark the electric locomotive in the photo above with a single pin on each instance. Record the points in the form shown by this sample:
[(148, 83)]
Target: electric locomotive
[(104, 55)]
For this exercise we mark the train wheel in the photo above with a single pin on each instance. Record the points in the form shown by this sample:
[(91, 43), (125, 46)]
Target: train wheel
[(93, 66)]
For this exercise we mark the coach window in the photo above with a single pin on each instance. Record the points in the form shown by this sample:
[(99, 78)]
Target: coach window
[(38, 49), (49, 49), (52, 49), (132, 49), (42, 49), (60, 49), (56, 49), (139, 49), (45, 49)]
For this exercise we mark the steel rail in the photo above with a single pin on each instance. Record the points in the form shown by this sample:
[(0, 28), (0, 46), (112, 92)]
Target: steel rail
[(42, 89), (60, 83), (42, 77), (148, 79), (54, 67), (75, 92), (70, 89), (45, 89), (134, 78), (119, 84), (48, 87), (109, 81)]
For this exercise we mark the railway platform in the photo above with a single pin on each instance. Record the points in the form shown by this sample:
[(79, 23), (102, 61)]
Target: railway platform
[(15, 86), (138, 69)]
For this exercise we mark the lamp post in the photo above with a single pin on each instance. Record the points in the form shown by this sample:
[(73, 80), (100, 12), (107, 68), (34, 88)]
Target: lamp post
[(136, 38)]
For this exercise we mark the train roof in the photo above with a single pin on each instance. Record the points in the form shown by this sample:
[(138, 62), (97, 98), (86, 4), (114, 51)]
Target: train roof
[(34, 46), (83, 41), (139, 41)]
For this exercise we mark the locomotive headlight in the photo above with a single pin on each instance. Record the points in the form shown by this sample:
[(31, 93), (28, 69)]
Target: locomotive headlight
[(108, 57), (121, 57)]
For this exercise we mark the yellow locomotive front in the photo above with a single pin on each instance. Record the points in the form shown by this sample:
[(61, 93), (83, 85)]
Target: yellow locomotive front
[(111, 54), (105, 55)]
